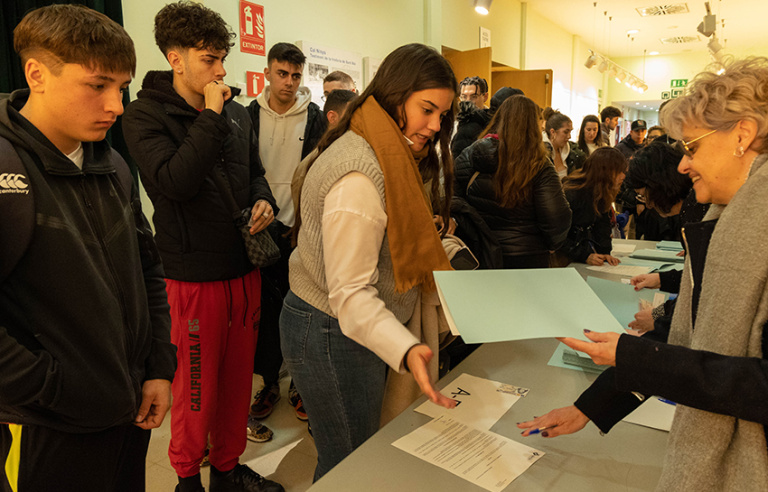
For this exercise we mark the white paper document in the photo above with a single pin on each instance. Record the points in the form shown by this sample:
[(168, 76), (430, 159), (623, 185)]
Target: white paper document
[(486, 459), (655, 413), (627, 270), (621, 248), (481, 402)]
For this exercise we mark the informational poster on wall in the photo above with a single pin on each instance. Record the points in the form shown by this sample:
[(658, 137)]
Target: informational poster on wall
[(370, 67), (252, 39), (322, 60)]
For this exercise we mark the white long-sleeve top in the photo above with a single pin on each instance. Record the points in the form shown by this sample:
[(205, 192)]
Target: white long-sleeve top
[(354, 223)]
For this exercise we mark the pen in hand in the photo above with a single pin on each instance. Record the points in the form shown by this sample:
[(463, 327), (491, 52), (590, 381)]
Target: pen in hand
[(537, 431)]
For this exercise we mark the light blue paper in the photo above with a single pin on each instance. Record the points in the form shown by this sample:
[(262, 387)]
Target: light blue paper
[(501, 305), (670, 245), (557, 361), (667, 256), (658, 266), (622, 300)]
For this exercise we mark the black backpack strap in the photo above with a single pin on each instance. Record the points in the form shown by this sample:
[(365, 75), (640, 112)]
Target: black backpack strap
[(17, 208)]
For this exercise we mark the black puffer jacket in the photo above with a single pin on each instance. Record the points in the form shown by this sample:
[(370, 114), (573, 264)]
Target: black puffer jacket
[(575, 159), (590, 232), (628, 147), (471, 124), (176, 149), (537, 226)]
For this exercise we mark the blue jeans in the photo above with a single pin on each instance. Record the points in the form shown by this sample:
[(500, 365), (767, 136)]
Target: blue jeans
[(340, 382)]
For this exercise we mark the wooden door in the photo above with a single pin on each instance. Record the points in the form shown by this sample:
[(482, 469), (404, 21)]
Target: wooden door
[(537, 84), (471, 63)]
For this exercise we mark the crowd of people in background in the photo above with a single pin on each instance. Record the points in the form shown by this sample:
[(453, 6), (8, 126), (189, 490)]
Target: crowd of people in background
[(364, 199)]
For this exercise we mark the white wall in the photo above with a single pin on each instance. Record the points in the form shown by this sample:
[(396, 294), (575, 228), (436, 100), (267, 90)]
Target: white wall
[(461, 28), (370, 28)]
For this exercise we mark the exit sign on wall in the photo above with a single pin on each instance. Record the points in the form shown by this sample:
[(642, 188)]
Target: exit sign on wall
[(679, 82)]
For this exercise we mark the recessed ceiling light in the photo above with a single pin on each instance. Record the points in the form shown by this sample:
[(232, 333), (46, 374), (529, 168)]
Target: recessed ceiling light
[(633, 31), (637, 104), (653, 53)]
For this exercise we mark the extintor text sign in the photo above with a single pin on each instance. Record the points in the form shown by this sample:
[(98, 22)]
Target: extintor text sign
[(252, 38)]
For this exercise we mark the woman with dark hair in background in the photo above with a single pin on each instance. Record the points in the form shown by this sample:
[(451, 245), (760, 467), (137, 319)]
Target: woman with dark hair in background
[(590, 192), (566, 155), (590, 137), (367, 245), (516, 189)]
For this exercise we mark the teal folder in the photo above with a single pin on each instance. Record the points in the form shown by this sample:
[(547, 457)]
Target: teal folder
[(501, 305)]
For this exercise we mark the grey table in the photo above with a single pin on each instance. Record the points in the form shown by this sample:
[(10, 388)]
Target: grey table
[(627, 459)]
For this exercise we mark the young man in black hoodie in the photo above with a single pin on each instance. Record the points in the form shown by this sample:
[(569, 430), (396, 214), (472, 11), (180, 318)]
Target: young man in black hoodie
[(86, 363), (184, 130)]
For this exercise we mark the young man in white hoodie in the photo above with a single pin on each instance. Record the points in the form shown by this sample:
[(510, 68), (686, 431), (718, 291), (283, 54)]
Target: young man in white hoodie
[(289, 126)]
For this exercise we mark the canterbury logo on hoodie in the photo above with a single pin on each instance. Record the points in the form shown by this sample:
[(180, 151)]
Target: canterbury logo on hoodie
[(13, 183)]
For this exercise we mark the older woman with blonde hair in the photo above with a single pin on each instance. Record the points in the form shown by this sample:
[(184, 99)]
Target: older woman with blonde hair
[(714, 362)]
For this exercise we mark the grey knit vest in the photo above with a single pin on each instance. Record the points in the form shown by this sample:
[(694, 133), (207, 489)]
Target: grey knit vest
[(348, 154)]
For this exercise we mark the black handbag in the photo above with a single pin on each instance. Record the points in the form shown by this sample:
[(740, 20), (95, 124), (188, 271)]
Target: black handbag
[(260, 247)]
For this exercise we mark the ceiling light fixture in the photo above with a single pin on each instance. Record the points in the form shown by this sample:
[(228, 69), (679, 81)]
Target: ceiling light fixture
[(614, 71), (591, 60), (483, 6)]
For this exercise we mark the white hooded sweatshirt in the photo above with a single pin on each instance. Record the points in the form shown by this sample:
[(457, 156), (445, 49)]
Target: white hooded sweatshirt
[(281, 138)]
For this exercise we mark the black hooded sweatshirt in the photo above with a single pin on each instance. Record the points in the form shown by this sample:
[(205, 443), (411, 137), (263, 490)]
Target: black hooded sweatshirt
[(84, 317)]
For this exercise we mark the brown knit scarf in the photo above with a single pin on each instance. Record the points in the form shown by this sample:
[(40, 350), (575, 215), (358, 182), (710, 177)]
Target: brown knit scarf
[(413, 241)]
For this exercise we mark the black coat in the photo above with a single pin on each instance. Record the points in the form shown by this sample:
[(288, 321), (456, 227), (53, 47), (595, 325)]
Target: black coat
[(628, 147), (177, 148), (590, 231), (534, 227), (84, 318), (471, 124), (575, 159), (608, 400)]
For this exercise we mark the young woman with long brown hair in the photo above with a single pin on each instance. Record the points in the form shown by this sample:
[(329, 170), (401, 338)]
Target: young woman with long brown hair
[(590, 192), (366, 245), (516, 190)]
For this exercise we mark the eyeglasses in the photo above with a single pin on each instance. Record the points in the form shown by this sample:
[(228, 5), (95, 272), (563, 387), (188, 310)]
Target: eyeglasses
[(683, 146)]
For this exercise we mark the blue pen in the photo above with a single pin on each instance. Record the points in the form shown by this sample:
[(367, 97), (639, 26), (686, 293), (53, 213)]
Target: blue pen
[(537, 431), (669, 402)]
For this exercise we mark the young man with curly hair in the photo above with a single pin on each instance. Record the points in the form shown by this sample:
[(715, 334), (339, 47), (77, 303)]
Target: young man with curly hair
[(184, 130), (87, 361)]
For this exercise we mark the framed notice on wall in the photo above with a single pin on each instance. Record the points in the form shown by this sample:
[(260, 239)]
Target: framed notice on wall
[(252, 39)]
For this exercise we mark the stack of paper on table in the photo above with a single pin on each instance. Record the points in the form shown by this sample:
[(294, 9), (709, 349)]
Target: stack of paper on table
[(500, 305), (567, 358), (623, 301), (619, 248), (460, 441), (670, 245), (484, 458), (665, 255), (622, 269)]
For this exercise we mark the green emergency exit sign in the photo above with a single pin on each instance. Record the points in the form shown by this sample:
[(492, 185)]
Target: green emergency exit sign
[(679, 82)]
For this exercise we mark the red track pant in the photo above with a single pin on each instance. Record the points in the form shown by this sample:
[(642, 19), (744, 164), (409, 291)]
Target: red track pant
[(214, 326)]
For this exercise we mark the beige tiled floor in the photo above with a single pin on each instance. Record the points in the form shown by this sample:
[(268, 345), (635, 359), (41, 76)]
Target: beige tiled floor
[(294, 471)]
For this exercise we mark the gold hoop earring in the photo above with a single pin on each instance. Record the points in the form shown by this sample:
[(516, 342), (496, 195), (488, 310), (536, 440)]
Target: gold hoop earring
[(739, 152)]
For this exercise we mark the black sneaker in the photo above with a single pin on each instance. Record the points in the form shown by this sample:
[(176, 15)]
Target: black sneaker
[(241, 479)]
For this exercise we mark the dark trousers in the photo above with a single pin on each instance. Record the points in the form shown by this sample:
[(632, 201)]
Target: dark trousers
[(38, 458), (274, 287)]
